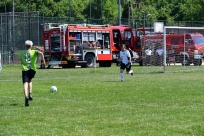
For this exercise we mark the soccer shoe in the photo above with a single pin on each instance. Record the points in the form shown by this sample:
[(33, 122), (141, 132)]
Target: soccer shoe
[(122, 80), (26, 101), (131, 72), (30, 97)]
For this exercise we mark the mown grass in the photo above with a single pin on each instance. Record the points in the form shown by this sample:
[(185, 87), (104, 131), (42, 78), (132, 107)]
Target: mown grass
[(96, 103)]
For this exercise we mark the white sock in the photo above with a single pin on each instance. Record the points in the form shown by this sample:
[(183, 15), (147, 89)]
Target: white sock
[(122, 76)]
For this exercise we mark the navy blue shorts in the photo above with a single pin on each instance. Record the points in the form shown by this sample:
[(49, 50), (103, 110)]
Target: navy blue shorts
[(28, 75), (123, 66)]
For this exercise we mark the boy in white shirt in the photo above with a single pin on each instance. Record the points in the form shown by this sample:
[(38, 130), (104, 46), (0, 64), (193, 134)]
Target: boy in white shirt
[(125, 59)]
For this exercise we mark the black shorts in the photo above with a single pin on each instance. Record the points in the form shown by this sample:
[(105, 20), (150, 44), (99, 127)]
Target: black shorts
[(28, 75), (123, 66)]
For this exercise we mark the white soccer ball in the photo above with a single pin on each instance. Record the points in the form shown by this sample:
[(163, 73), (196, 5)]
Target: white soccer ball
[(53, 89)]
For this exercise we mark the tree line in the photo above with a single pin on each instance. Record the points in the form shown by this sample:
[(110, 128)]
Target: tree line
[(175, 10)]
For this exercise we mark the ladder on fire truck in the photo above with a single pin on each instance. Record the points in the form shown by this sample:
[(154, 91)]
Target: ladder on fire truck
[(48, 26)]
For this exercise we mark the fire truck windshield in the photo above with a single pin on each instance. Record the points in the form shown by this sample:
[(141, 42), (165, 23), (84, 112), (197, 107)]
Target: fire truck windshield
[(198, 40), (127, 35)]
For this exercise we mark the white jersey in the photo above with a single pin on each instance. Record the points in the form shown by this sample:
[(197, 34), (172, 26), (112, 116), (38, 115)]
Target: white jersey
[(148, 52), (160, 51), (124, 56)]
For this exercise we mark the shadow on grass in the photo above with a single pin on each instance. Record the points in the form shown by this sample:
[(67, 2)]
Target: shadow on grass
[(150, 72), (12, 104), (156, 72), (112, 81), (48, 68)]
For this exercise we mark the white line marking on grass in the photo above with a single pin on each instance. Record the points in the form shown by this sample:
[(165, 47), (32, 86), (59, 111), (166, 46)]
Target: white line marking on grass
[(116, 104), (48, 99), (9, 80), (65, 100)]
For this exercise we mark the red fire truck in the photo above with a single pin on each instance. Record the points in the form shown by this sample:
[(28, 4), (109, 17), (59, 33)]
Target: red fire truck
[(68, 45), (185, 48)]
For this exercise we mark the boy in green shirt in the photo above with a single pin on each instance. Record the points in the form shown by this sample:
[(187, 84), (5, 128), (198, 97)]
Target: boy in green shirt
[(28, 60)]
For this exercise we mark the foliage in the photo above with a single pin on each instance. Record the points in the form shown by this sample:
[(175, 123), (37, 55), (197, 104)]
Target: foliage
[(180, 10)]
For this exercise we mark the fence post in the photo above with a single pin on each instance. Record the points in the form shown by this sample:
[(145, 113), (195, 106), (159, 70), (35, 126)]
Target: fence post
[(38, 29), (8, 41), (29, 27), (9, 59), (1, 39)]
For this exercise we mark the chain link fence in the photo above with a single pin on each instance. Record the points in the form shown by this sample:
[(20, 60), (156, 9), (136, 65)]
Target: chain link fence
[(16, 28)]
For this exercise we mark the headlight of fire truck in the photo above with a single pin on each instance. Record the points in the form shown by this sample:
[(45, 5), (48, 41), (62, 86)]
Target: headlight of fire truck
[(197, 55)]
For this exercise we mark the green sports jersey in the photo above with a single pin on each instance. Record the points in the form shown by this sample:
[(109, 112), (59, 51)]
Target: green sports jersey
[(28, 59)]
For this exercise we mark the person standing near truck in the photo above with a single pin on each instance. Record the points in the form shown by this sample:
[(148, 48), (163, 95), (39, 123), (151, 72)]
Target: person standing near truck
[(12, 55), (125, 62)]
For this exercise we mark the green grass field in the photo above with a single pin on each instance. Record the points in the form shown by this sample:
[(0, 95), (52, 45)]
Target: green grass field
[(96, 103)]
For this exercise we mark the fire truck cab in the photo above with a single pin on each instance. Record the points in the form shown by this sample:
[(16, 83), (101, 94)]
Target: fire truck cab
[(125, 35), (185, 48)]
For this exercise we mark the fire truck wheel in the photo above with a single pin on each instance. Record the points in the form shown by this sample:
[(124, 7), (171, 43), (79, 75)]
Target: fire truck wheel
[(185, 62), (90, 60), (197, 62)]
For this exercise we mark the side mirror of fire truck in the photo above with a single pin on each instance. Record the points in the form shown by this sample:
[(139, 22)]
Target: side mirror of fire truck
[(188, 41)]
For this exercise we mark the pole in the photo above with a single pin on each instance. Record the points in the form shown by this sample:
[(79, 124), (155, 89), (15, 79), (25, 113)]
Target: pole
[(13, 39), (43, 11), (6, 38), (150, 25), (8, 32), (129, 13), (69, 11), (5, 8), (38, 29), (119, 19), (184, 55), (133, 23), (13, 21), (144, 21), (90, 12), (24, 21), (6, 41), (101, 12), (96, 50), (2, 46), (164, 38)]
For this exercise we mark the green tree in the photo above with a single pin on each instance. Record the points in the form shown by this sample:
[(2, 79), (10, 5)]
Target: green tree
[(186, 10), (110, 10), (192, 10)]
